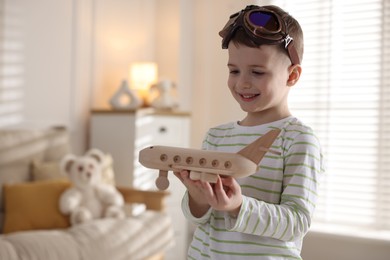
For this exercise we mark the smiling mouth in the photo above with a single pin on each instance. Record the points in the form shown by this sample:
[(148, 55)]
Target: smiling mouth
[(249, 97)]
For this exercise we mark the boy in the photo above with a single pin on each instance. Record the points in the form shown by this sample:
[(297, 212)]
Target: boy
[(265, 215)]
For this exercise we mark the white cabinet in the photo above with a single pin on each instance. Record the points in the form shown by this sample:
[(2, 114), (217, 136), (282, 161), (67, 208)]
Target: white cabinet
[(123, 133)]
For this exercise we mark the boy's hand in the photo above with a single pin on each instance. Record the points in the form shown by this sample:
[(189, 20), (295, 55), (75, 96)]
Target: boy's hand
[(197, 201), (225, 195)]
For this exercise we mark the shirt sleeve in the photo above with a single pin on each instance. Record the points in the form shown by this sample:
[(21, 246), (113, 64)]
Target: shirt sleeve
[(291, 218), (187, 212)]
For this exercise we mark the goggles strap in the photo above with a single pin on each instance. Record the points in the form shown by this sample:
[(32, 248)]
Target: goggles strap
[(287, 40), (292, 52)]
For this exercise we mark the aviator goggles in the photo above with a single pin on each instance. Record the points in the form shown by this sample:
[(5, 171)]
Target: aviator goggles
[(263, 26)]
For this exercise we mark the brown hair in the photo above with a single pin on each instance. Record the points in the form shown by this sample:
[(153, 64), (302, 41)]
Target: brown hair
[(293, 27)]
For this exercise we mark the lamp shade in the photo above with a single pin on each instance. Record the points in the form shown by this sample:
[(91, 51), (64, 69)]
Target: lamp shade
[(143, 75)]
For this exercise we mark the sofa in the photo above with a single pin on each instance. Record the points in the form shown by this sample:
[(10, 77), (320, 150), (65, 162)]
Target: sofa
[(31, 226)]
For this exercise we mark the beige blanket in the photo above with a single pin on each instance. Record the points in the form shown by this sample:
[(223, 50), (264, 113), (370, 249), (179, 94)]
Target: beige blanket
[(131, 238)]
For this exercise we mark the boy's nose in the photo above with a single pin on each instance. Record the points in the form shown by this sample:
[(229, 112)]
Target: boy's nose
[(244, 84), (243, 80)]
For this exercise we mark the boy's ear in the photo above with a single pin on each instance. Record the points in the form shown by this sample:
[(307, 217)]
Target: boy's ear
[(294, 74)]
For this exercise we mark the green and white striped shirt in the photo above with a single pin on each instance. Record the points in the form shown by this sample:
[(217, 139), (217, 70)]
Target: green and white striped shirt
[(278, 200)]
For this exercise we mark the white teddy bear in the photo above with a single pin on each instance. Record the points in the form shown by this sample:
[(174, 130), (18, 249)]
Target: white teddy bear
[(88, 197)]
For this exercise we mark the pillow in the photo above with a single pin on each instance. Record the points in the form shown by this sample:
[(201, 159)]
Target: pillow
[(51, 171), (41, 171), (13, 173), (34, 205), (59, 144), (108, 175)]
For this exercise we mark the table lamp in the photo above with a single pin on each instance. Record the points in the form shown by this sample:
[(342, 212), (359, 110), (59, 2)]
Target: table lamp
[(142, 76)]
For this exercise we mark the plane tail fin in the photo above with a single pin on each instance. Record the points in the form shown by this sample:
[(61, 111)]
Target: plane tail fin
[(256, 150)]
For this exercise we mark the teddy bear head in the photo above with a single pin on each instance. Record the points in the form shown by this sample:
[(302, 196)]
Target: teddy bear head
[(84, 171)]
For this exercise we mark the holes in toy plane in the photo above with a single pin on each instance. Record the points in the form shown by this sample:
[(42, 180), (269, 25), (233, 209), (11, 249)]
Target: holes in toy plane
[(215, 163), (202, 161), (176, 159), (228, 164), (163, 157), (189, 160)]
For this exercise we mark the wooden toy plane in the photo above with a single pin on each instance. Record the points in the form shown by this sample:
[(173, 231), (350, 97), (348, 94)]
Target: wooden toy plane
[(204, 164)]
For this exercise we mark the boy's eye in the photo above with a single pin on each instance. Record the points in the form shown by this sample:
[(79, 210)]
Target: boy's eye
[(233, 71), (257, 72)]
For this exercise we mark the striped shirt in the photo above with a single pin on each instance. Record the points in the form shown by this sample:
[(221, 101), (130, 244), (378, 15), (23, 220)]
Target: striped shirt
[(278, 200)]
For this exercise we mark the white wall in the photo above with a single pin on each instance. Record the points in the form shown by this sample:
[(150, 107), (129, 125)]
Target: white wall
[(138, 30), (211, 98), (47, 85), (50, 74), (124, 32)]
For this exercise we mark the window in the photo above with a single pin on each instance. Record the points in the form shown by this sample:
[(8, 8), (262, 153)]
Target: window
[(11, 65), (344, 94)]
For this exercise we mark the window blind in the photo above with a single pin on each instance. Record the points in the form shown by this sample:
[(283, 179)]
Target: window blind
[(11, 64), (344, 95)]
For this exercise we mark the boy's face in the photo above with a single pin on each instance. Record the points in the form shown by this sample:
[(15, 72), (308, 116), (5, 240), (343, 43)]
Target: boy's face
[(258, 80)]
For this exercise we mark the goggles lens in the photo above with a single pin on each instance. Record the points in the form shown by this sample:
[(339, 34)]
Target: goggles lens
[(263, 26), (265, 20)]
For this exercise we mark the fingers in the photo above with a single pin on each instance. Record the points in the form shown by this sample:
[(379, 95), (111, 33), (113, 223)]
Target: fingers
[(207, 190), (183, 175), (231, 186), (225, 194), (214, 193), (227, 181), (220, 191)]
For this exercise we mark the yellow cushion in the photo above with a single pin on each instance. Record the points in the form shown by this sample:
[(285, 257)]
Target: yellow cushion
[(34, 205)]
